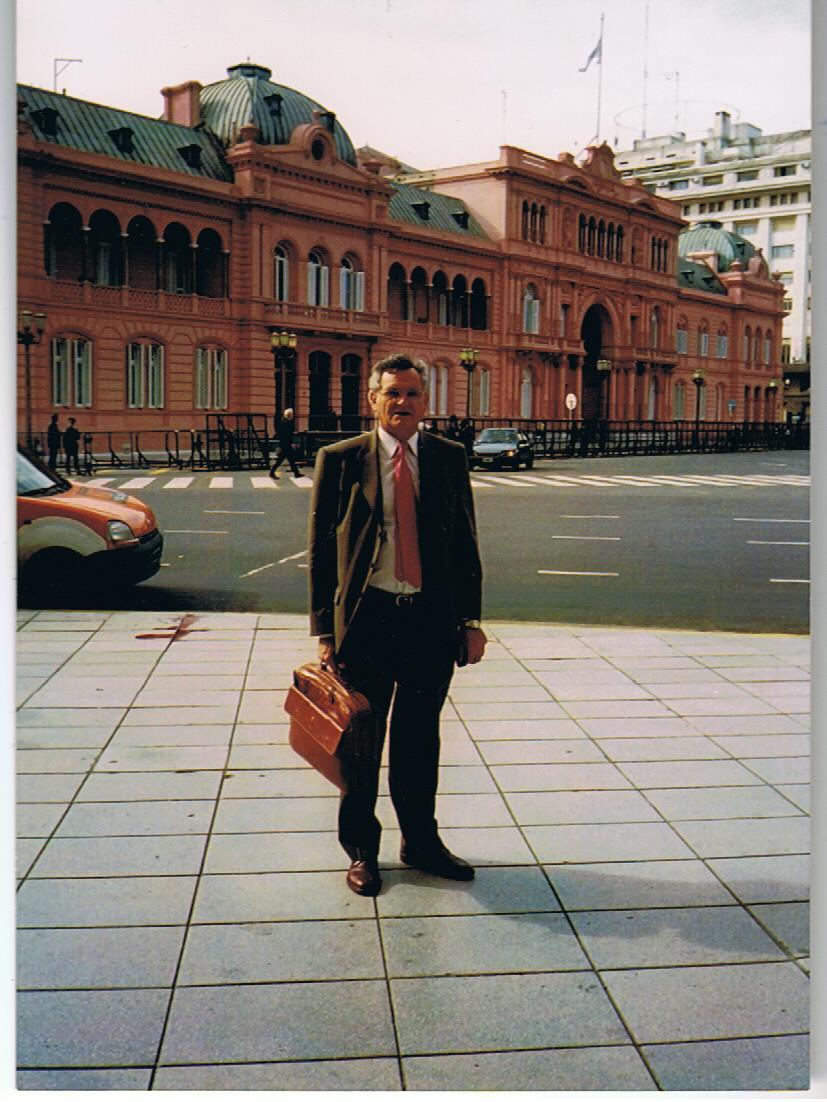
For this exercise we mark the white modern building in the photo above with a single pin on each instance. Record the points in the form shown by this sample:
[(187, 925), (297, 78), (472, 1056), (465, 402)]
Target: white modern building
[(755, 184)]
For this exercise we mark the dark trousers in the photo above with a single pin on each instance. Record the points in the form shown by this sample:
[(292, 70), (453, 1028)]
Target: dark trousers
[(285, 452), (53, 452), (72, 457), (395, 655)]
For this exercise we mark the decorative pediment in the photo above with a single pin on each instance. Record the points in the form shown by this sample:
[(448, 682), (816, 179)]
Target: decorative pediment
[(600, 161)]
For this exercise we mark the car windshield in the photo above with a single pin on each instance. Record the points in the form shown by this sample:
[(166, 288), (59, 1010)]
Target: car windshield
[(34, 479), (497, 436)]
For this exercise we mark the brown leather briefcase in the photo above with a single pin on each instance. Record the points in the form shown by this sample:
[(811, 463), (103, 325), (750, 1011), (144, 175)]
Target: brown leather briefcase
[(322, 711)]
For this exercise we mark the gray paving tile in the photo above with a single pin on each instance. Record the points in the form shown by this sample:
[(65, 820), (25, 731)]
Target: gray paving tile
[(725, 691), (257, 1022), (480, 944), (733, 705), (176, 717), (632, 884), (540, 751), (567, 843), (716, 1001), (749, 674), (663, 937), (510, 710), (495, 890), (37, 820), (54, 761), (69, 717), (746, 837), (788, 922), (460, 694), (85, 1079), (780, 770), (754, 802), (462, 810), (799, 794), (748, 1064), (620, 689), (89, 1028), (277, 852), (137, 817), (276, 782), (253, 733), (765, 746), (115, 787), (206, 734), (483, 730), (549, 778), (617, 709), (687, 774), (479, 845), (483, 1013), (626, 727), (745, 725), (106, 901), (263, 756), (55, 738), (271, 897), (262, 815), (692, 675), (169, 855), (538, 808), (161, 759), (87, 692), (378, 1074), (635, 663), (255, 952), (617, 1068), (765, 879), (27, 851), (674, 748), (109, 957)]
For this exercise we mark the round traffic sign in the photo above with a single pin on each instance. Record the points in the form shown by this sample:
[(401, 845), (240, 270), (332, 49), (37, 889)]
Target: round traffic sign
[(571, 401)]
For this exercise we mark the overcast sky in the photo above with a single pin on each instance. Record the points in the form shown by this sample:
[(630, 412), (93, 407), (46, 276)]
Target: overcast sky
[(424, 79)]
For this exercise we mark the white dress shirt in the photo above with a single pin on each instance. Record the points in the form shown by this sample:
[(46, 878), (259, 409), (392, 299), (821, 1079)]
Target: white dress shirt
[(384, 574)]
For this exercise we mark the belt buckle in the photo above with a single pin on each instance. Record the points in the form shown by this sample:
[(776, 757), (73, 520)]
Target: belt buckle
[(404, 600)]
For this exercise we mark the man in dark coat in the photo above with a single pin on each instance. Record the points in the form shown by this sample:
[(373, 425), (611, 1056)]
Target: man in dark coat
[(71, 439), (287, 428), (53, 435), (395, 594)]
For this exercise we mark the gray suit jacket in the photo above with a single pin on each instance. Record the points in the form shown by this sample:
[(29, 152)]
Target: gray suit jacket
[(346, 528)]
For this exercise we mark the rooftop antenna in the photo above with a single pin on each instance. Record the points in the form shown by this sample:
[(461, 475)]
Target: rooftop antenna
[(645, 65), (505, 117), (67, 61)]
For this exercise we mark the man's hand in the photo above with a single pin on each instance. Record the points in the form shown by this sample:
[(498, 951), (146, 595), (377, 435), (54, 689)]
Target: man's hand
[(475, 640), (326, 651)]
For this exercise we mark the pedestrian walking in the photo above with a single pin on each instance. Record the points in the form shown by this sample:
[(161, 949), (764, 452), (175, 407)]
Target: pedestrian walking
[(395, 594), (53, 436), (466, 436), (287, 428), (452, 428), (71, 438)]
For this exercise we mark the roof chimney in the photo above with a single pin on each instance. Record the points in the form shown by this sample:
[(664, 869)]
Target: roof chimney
[(722, 127), (182, 103)]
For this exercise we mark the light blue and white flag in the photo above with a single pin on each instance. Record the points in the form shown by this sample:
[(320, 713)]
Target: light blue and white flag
[(595, 55)]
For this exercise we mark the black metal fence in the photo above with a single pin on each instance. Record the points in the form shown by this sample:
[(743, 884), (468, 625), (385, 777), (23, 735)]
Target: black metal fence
[(239, 441)]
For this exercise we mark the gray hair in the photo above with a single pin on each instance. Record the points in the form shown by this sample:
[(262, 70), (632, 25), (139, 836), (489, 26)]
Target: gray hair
[(395, 363)]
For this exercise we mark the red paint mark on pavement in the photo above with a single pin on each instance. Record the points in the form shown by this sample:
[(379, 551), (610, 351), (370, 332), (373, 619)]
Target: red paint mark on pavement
[(179, 632)]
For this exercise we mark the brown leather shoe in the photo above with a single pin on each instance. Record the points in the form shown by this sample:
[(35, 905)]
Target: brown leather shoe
[(438, 860), (363, 877)]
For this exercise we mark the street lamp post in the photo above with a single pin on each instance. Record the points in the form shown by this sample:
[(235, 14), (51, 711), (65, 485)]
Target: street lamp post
[(604, 366), (698, 378), (27, 335), (468, 361), (283, 347)]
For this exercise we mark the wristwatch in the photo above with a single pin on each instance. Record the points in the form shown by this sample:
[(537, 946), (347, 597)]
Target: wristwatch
[(471, 624)]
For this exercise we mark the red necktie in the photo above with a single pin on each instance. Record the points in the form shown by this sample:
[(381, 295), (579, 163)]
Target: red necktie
[(408, 568)]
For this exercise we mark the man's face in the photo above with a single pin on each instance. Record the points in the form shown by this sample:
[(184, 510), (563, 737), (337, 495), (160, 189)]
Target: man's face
[(400, 402)]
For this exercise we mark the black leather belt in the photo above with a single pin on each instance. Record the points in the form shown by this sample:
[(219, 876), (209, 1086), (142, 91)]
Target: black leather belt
[(399, 600)]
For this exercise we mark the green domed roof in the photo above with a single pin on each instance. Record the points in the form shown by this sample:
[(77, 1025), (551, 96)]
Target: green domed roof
[(249, 96), (706, 237)]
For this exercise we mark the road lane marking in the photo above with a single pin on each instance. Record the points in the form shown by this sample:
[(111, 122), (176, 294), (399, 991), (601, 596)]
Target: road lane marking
[(499, 481), (302, 480), (239, 512), (288, 558), (477, 485), (593, 480), (585, 537), (263, 482), (98, 481), (771, 520), (791, 581), (584, 573), (221, 482), (193, 532), (136, 483), (782, 543), (590, 516), (178, 483)]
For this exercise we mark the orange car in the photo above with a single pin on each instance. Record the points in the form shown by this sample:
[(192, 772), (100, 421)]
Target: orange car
[(69, 534)]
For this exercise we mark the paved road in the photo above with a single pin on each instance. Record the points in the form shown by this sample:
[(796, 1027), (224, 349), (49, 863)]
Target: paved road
[(705, 542)]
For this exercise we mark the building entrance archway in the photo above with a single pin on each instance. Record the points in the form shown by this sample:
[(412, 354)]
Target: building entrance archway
[(596, 334)]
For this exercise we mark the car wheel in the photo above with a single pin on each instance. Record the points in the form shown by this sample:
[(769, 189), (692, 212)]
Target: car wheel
[(529, 463), (515, 466), (53, 575)]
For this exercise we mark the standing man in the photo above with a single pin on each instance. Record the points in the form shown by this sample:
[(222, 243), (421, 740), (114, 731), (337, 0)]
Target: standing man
[(287, 427), (395, 593), (71, 438), (53, 441)]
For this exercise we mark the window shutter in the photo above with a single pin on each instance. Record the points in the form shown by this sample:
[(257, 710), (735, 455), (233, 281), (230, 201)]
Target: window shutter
[(82, 373), (359, 304), (343, 282), (311, 282), (535, 315), (324, 296), (59, 396)]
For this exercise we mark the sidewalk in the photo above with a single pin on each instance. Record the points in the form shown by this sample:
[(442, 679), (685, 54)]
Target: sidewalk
[(635, 802)]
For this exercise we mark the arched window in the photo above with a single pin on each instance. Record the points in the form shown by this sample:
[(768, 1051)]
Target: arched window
[(281, 274), (652, 399), (320, 411), (679, 401), (601, 238), (397, 293), (144, 375), (619, 244), (542, 228), (419, 295), (531, 310), (768, 349), (105, 246), (746, 344), (653, 254), (700, 402), (524, 221), (351, 392), (483, 402), (351, 286), (440, 286), (720, 401), (665, 257), (71, 371), (532, 233), (438, 390), (526, 393), (64, 243), (141, 255), (756, 346), (459, 302), (592, 232), (610, 242), (210, 383), (747, 403), (721, 344), (210, 270), (654, 328), (682, 337), (581, 233), (757, 410), (177, 260), (703, 340), (318, 279), (478, 305)]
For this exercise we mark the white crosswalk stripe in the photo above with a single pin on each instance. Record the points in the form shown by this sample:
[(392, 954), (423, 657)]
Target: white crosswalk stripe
[(179, 483), (221, 482)]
